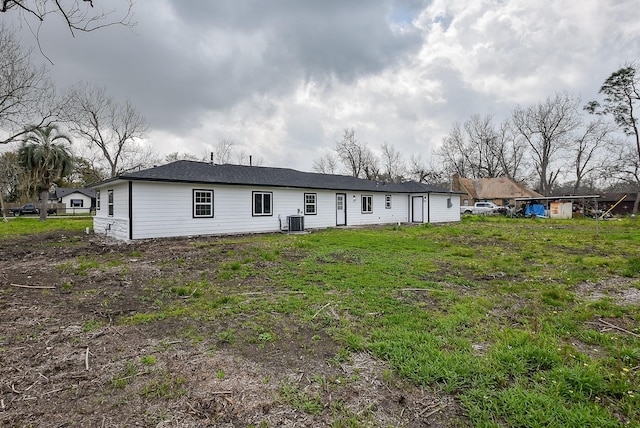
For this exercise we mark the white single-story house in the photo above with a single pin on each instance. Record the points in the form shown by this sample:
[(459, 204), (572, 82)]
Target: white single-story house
[(81, 200), (187, 198)]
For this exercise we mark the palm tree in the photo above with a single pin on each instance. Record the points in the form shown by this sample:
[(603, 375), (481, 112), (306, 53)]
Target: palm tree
[(45, 157)]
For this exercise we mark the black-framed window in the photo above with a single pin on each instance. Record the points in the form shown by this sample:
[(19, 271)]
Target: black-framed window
[(310, 203), (262, 203), (367, 204), (77, 203), (387, 201), (202, 203), (110, 202), (97, 200)]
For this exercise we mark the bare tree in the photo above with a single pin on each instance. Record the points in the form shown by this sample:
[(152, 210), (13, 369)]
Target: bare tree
[(624, 167), (223, 151), (393, 167), (26, 93), (587, 149), (357, 158), (546, 128), (370, 165), (454, 153), (511, 152), (176, 156), (243, 158), (327, 164), (622, 96), (477, 149), (86, 171), (114, 129), (349, 152), (78, 15), (484, 138), (425, 172)]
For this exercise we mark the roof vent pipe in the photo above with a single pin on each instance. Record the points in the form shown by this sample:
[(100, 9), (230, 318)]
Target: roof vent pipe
[(250, 163)]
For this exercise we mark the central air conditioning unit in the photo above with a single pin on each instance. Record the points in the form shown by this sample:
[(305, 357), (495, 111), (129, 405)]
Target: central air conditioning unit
[(295, 223)]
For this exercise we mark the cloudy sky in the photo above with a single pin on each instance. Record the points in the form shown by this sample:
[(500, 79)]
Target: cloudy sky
[(284, 78)]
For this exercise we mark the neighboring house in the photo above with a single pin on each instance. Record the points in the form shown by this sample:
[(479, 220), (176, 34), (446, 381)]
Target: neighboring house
[(75, 200), (500, 190), (624, 207), (187, 198)]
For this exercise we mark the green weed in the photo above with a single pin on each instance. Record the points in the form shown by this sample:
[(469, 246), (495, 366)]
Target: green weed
[(632, 268), (91, 325), (227, 336), (121, 380), (148, 360), (489, 310), (301, 400), (167, 387)]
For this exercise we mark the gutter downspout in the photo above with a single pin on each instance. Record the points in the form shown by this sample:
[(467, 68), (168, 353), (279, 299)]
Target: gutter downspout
[(130, 210)]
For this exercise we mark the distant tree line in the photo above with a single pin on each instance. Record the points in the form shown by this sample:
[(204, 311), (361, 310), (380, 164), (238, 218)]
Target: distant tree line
[(356, 158), (555, 146), (84, 135)]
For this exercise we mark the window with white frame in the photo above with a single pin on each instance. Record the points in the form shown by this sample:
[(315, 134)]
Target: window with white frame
[(76, 203), (387, 201), (97, 200), (110, 202), (367, 204), (310, 203), (202, 203), (262, 203)]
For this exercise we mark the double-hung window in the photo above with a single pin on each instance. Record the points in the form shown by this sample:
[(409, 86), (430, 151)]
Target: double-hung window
[(367, 204), (310, 203), (110, 202), (97, 200), (202, 203), (387, 201), (262, 203)]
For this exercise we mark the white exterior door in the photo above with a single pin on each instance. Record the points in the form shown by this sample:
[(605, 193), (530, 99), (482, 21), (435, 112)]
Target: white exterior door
[(417, 209), (341, 209)]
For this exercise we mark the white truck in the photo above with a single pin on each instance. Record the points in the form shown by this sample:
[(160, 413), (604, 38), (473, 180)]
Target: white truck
[(480, 208)]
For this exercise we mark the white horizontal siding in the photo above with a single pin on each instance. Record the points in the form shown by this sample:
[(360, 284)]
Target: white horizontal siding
[(166, 210), (325, 209), (439, 209), (116, 226), (86, 202), (399, 211)]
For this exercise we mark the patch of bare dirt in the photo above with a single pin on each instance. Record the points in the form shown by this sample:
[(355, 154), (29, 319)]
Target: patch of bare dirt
[(621, 291), (66, 358)]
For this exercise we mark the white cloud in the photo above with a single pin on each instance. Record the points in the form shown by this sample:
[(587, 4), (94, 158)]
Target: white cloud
[(284, 78)]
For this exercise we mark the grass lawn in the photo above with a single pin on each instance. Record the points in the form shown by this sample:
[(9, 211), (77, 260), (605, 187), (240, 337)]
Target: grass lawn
[(526, 322), (16, 226)]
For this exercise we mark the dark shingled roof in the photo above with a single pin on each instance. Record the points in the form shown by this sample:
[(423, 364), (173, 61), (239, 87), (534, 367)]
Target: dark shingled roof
[(185, 171), (64, 191)]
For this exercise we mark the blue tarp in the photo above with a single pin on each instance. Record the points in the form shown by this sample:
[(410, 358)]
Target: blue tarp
[(534, 209)]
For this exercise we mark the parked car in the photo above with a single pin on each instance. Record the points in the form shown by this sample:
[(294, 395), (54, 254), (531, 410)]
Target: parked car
[(25, 209), (480, 208)]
